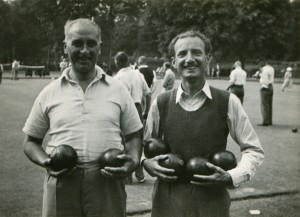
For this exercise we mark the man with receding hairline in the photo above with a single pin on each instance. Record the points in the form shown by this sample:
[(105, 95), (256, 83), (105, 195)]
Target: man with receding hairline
[(88, 110)]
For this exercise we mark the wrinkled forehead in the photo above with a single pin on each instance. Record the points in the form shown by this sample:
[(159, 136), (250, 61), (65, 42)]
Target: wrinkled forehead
[(80, 31)]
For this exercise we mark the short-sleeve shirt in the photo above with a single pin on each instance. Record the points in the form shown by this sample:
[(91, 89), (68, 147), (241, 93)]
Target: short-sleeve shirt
[(90, 122), (238, 76), (134, 82), (267, 76)]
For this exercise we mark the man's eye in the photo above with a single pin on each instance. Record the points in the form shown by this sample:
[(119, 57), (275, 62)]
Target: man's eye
[(198, 52), (181, 54), (76, 43), (91, 43)]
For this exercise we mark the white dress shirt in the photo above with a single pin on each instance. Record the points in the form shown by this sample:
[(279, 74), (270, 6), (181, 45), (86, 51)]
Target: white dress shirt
[(239, 126), (267, 76), (134, 82), (238, 76)]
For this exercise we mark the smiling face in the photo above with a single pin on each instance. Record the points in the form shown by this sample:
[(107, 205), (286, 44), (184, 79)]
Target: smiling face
[(190, 59), (83, 47)]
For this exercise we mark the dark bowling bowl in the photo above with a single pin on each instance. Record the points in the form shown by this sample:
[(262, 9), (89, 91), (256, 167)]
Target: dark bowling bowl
[(155, 147), (224, 159), (63, 157), (196, 165), (174, 161), (109, 158)]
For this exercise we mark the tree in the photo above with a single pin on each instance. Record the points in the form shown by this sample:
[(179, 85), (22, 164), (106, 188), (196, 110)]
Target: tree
[(239, 29)]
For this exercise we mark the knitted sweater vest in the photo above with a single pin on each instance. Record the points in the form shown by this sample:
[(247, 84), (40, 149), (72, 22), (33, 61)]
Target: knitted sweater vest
[(195, 133)]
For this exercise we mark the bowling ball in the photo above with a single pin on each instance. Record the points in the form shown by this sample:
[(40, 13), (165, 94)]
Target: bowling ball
[(224, 159), (174, 161), (154, 147), (109, 158), (196, 165), (294, 130), (63, 157)]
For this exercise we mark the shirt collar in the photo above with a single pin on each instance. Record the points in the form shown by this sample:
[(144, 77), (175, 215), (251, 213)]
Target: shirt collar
[(124, 70), (143, 66), (205, 90), (100, 74)]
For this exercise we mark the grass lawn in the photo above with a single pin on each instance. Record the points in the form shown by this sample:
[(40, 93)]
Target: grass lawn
[(21, 181)]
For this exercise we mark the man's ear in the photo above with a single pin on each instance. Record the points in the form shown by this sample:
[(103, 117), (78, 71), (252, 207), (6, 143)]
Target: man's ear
[(173, 62), (208, 58), (65, 48), (100, 47)]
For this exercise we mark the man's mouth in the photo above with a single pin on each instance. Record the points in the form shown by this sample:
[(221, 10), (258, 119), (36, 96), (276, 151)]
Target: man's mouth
[(190, 67), (83, 60)]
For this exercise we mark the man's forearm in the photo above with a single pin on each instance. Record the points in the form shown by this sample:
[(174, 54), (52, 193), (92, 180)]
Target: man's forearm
[(35, 152), (133, 147)]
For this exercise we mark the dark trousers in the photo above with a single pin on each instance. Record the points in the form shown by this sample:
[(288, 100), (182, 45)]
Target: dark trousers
[(238, 90), (0, 76), (84, 192), (188, 200), (266, 105)]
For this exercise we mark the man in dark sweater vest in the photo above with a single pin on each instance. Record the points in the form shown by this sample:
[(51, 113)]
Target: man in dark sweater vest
[(195, 120)]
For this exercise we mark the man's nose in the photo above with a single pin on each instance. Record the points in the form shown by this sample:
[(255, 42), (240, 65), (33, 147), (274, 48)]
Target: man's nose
[(84, 49), (190, 57)]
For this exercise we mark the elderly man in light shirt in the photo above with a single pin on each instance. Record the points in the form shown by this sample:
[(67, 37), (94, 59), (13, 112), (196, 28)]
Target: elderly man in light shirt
[(195, 120), (138, 88), (88, 110), (237, 81), (266, 92)]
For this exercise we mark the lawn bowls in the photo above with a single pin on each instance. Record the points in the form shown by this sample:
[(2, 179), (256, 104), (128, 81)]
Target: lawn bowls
[(175, 162), (155, 147), (109, 158), (196, 165), (63, 157), (224, 159)]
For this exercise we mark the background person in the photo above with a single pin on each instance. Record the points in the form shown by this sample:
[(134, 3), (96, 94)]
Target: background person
[(237, 81), (1, 72), (137, 87), (169, 78), (63, 65), (266, 92), (15, 69), (88, 110), (194, 120), (288, 81)]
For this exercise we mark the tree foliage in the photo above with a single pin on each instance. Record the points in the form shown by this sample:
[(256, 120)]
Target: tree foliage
[(238, 29)]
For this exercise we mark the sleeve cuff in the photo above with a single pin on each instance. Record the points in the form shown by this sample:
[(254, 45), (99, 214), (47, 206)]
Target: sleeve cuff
[(237, 179)]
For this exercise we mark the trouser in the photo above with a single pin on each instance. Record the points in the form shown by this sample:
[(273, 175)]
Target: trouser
[(238, 90), (266, 104), (139, 173), (14, 74), (84, 193), (188, 200), (0, 76)]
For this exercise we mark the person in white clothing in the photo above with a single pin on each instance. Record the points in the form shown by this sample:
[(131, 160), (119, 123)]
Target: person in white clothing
[(266, 92), (237, 81), (288, 82), (138, 88)]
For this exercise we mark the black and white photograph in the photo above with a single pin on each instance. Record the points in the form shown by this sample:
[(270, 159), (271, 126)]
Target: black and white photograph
[(149, 108)]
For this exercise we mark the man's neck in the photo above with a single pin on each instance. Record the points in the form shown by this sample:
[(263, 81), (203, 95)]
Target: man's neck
[(193, 86), (82, 77)]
